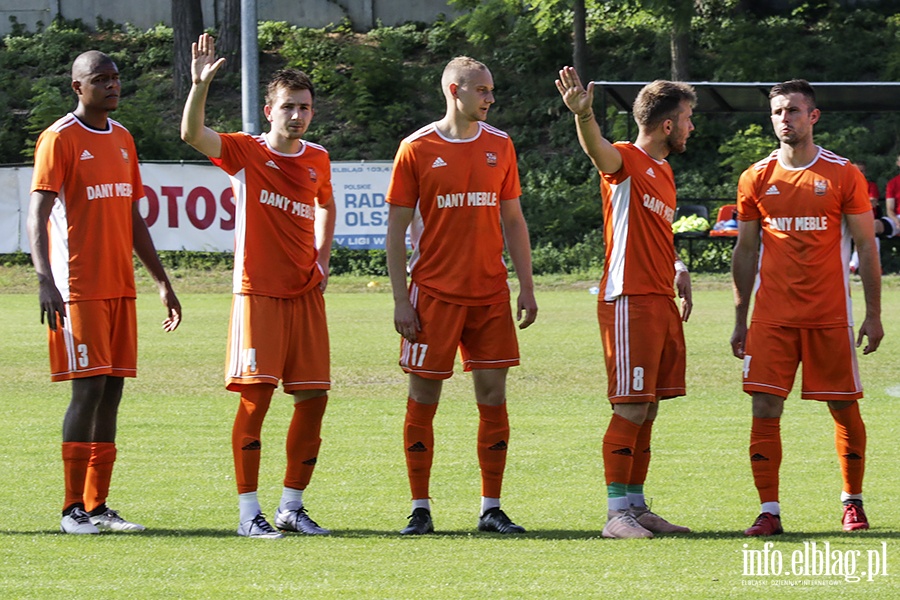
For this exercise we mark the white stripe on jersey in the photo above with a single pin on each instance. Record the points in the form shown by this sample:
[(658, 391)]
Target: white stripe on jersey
[(622, 343), (620, 198), (758, 166), (239, 183), (829, 156), (421, 132), (494, 130), (846, 249), (59, 245)]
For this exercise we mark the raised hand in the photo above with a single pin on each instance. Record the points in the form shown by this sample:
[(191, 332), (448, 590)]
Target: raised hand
[(578, 99), (203, 59)]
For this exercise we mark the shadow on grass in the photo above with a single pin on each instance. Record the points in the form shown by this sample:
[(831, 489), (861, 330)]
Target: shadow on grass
[(536, 534)]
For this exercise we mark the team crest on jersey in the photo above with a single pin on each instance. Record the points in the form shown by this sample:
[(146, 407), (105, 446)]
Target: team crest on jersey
[(491, 159), (312, 174), (124, 154), (820, 186)]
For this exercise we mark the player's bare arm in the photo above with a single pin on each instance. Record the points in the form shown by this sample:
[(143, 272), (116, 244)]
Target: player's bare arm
[(581, 102), (50, 299), (406, 321), (326, 216), (743, 272), (683, 287), (146, 251), (518, 243), (862, 229), (204, 66)]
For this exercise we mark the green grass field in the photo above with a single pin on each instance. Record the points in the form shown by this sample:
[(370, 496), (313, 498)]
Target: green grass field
[(174, 472)]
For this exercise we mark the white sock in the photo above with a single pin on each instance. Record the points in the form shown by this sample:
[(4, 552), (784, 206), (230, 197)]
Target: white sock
[(617, 504), (291, 499), (489, 503), (249, 506), (772, 508), (845, 496), (422, 503), (636, 500)]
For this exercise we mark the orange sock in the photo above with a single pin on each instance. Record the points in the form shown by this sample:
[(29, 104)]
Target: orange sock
[(245, 443), (99, 474), (618, 449), (493, 437), (303, 441), (850, 442), (76, 456), (641, 462), (765, 457), (418, 440)]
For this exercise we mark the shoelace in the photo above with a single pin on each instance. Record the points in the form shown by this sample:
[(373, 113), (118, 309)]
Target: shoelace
[(303, 515), (260, 522), (80, 517), (112, 515)]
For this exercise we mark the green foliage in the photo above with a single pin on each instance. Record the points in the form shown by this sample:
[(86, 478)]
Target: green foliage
[(142, 117), (375, 88), (745, 148), (346, 261), (48, 105)]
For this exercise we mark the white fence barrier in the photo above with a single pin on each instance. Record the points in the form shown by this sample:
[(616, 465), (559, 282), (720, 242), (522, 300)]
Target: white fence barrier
[(191, 206)]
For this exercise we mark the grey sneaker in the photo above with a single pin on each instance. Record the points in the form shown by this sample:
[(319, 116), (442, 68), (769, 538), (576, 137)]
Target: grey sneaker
[(258, 527), (77, 522), (622, 524), (298, 520), (651, 521), (110, 520)]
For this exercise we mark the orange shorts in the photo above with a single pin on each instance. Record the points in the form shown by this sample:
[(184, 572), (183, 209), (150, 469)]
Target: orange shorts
[(643, 344), (278, 339), (99, 337), (485, 336), (830, 371)]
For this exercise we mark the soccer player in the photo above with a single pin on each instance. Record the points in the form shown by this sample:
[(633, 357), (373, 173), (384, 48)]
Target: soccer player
[(884, 226), (797, 210), (285, 224), (891, 196), (640, 325), (455, 184), (83, 223)]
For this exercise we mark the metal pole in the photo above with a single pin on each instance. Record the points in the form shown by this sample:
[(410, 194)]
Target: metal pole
[(249, 68)]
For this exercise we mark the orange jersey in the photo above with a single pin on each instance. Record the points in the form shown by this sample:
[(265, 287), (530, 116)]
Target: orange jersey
[(638, 210), (456, 187), (275, 198), (805, 250), (96, 178)]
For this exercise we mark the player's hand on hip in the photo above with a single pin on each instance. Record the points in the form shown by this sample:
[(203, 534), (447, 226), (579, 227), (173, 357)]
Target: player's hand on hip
[(203, 59), (578, 99), (406, 321)]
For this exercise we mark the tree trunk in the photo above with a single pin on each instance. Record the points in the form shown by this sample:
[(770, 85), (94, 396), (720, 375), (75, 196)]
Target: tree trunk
[(187, 25), (229, 43), (579, 43), (679, 44)]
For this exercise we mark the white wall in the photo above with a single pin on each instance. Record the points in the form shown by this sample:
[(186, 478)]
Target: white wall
[(363, 14)]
